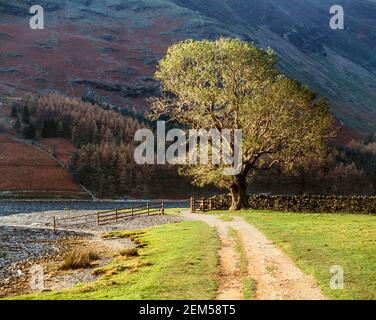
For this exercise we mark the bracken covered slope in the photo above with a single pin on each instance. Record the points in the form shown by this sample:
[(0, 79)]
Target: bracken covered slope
[(27, 172)]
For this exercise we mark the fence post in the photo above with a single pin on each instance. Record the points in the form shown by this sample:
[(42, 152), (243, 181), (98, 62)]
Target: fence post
[(54, 224), (193, 205), (97, 219), (203, 205), (162, 208)]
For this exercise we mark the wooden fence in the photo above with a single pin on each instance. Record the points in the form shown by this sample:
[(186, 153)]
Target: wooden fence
[(109, 217), (200, 205)]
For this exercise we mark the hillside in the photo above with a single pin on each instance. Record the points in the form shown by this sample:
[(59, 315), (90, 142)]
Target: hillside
[(107, 50), (51, 146), (27, 172)]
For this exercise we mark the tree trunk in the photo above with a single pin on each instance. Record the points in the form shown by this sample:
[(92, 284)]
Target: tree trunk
[(239, 195)]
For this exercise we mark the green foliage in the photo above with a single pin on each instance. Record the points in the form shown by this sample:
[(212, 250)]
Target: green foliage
[(231, 84)]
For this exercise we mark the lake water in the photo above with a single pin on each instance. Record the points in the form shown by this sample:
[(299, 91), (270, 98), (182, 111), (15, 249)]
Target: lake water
[(13, 207)]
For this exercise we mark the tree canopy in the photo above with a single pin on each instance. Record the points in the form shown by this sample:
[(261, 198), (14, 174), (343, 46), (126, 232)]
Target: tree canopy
[(232, 84)]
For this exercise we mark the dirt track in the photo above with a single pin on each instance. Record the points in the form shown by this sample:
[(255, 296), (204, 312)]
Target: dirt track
[(275, 274)]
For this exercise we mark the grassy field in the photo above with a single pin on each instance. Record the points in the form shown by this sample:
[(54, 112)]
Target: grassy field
[(316, 242), (176, 261)]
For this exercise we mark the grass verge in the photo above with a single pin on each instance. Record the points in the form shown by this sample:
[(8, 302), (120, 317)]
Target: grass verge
[(316, 242), (249, 286), (175, 210), (175, 261)]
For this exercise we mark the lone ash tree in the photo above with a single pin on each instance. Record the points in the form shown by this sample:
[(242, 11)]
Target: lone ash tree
[(231, 84)]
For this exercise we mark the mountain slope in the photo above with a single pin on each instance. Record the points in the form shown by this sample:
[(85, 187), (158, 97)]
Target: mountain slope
[(28, 172), (340, 64), (107, 50)]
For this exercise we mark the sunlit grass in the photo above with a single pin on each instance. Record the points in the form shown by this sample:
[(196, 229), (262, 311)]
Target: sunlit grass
[(317, 242), (176, 261)]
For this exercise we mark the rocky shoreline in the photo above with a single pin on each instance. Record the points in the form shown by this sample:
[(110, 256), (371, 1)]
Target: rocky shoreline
[(27, 239), (21, 244), (23, 248)]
